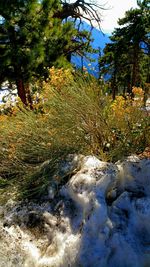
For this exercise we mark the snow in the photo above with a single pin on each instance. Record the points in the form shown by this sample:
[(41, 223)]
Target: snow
[(5, 93), (100, 218)]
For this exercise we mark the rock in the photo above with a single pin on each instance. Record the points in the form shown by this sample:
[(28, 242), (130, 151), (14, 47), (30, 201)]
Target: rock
[(101, 219)]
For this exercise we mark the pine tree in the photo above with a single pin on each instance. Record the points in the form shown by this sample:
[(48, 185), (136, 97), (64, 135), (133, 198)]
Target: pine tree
[(127, 57), (135, 29), (35, 35), (31, 39)]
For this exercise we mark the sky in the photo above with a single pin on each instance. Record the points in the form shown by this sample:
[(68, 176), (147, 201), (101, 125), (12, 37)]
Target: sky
[(116, 9)]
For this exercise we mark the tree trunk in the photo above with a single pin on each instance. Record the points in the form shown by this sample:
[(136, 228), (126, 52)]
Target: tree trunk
[(28, 96), (113, 91), (21, 91), (24, 93), (135, 69), (124, 90), (114, 84)]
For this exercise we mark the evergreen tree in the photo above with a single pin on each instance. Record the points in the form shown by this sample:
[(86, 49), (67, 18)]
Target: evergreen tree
[(31, 39), (127, 57), (35, 35), (135, 29)]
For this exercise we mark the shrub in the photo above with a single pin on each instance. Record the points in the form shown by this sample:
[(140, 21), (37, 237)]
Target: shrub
[(130, 126), (71, 116), (111, 130)]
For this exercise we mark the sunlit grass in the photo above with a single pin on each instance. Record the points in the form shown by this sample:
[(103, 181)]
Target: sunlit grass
[(72, 116)]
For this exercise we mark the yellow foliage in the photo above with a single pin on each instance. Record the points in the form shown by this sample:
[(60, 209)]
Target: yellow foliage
[(137, 91), (126, 106), (3, 118), (118, 106), (60, 77)]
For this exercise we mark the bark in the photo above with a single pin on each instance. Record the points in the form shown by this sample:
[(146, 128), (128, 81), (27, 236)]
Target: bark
[(24, 93), (80, 9), (21, 91), (135, 70), (124, 90), (114, 84), (28, 96)]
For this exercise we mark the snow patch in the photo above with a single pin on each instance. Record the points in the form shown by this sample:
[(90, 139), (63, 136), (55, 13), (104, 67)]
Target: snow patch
[(101, 219)]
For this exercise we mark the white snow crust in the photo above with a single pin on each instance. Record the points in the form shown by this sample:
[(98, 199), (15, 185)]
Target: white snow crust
[(101, 218)]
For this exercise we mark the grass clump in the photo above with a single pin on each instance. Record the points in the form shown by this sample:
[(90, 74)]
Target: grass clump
[(71, 116), (109, 129)]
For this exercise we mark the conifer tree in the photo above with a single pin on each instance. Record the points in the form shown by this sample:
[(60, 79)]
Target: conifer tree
[(34, 35), (31, 39), (127, 57), (135, 28)]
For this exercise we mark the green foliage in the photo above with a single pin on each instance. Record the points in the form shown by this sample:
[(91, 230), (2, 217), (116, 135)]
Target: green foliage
[(76, 118), (34, 37), (72, 113), (126, 59), (110, 130)]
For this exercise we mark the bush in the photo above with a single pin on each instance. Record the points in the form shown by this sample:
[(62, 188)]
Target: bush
[(71, 116), (110, 130)]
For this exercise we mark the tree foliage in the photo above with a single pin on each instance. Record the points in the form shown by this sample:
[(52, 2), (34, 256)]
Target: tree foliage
[(127, 57), (34, 36), (31, 40)]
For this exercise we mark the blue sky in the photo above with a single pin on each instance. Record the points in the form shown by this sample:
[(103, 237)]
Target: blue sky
[(114, 9)]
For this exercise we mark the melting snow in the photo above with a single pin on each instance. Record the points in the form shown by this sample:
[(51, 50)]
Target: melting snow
[(101, 219)]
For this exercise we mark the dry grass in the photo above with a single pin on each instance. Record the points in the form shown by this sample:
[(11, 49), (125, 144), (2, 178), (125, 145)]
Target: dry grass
[(75, 118)]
